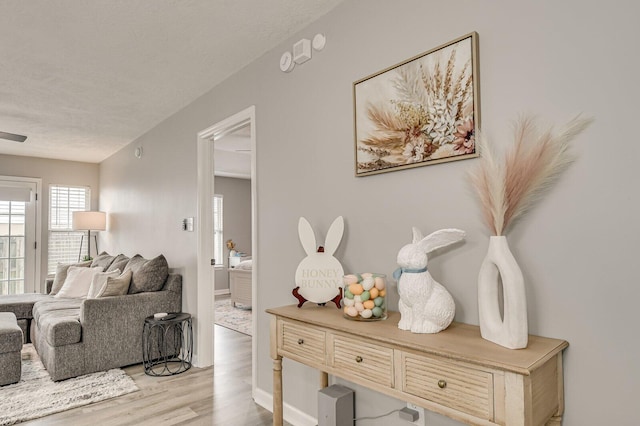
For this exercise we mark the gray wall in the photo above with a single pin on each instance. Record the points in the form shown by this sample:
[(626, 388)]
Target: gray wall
[(52, 172), (577, 248), (237, 220)]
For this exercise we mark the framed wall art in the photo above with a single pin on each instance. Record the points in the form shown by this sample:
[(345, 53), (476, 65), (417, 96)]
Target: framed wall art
[(419, 112)]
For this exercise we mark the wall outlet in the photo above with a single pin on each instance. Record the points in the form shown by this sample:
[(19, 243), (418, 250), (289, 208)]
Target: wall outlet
[(422, 419)]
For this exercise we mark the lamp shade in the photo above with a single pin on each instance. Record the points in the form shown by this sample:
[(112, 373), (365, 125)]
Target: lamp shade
[(89, 221)]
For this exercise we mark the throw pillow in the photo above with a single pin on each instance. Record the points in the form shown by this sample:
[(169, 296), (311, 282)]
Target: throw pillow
[(61, 275), (120, 262), (78, 282), (148, 275), (99, 281), (117, 286), (104, 260)]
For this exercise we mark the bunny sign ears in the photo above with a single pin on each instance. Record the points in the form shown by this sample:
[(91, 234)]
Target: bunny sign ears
[(308, 238), (319, 275)]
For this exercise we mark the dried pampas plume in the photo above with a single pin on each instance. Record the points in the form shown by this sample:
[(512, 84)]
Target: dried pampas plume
[(507, 189)]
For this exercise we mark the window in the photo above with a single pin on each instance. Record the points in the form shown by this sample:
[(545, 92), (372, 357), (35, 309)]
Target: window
[(12, 247), (64, 244), (218, 248)]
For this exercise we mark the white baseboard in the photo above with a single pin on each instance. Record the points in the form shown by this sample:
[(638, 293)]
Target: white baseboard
[(290, 413), (221, 292)]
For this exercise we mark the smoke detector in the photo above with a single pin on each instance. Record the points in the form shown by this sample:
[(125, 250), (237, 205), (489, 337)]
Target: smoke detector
[(302, 51)]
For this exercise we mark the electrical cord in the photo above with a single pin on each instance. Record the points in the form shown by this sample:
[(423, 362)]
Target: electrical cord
[(377, 417)]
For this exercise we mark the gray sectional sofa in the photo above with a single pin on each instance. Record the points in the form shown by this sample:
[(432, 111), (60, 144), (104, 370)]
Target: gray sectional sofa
[(80, 336)]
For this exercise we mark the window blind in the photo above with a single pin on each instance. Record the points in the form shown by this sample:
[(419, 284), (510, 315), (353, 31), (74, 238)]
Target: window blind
[(218, 248), (64, 243)]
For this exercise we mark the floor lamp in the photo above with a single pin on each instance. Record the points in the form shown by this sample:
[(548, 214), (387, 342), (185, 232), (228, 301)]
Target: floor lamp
[(88, 221)]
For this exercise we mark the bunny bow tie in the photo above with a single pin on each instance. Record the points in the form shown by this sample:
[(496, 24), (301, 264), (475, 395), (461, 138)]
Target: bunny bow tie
[(398, 272)]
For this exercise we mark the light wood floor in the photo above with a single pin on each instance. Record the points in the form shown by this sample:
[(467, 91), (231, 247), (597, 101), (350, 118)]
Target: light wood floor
[(219, 395)]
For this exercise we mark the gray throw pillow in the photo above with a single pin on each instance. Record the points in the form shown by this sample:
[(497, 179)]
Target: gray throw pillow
[(120, 262), (61, 275), (117, 286), (148, 275), (103, 260)]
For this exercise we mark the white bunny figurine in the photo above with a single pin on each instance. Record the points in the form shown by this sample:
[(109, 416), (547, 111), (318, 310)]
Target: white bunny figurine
[(425, 305)]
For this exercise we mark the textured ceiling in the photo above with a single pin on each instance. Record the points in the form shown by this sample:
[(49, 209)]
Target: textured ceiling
[(82, 79)]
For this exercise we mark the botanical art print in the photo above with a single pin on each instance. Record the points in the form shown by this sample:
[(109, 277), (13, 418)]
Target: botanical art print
[(419, 112)]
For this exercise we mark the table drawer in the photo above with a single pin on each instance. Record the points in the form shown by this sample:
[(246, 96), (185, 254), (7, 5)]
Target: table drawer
[(448, 383), (303, 341), (359, 358)]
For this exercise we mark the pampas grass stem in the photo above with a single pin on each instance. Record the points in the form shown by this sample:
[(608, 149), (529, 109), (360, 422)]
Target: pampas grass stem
[(507, 189)]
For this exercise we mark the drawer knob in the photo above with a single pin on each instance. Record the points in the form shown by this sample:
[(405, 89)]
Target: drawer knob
[(300, 341), (442, 384), (358, 359)]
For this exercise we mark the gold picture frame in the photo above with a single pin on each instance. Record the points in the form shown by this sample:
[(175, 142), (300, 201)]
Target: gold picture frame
[(419, 112)]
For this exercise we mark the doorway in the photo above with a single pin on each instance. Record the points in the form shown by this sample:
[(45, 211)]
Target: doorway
[(205, 234), (19, 234)]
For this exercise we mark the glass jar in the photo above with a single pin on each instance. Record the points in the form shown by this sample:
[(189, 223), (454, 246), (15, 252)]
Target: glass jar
[(364, 296)]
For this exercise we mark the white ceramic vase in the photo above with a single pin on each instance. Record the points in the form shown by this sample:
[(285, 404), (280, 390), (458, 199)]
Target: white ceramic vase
[(499, 264)]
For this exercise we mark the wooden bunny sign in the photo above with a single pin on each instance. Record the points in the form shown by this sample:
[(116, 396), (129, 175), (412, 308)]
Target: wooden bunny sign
[(425, 305), (319, 275)]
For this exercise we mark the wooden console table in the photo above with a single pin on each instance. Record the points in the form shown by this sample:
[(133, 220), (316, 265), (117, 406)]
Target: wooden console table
[(455, 372)]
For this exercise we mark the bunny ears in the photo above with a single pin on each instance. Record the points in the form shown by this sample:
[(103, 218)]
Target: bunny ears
[(437, 239), (308, 238)]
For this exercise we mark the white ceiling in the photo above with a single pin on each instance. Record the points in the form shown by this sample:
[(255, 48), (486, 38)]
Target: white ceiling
[(82, 79), (232, 155)]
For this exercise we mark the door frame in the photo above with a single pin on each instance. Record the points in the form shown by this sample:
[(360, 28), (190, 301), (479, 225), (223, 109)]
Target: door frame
[(204, 226), (38, 285)]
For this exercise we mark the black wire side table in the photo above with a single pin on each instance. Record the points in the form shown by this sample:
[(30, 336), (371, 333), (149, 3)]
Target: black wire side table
[(167, 344)]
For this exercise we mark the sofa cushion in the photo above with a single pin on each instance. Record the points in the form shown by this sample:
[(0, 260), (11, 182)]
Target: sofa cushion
[(10, 333), (59, 320), (99, 281), (116, 286), (148, 275), (61, 275), (78, 282), (104, 260), (21, 304), (120, 262)]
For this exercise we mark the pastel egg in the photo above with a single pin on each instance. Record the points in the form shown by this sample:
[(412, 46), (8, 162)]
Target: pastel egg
[(359, 307), (365, 296), (378, 301), (350, 279), (346, 309), (369, 304), (382, 293), (368, 283), (367, 275), (348, 294), (357, 298), (379, 283), (367, 313), (377, 312), (349, 302), (352, 312), (356, 289), (373, 293)]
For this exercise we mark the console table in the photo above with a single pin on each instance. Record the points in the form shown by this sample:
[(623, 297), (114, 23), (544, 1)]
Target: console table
[(455, 372)]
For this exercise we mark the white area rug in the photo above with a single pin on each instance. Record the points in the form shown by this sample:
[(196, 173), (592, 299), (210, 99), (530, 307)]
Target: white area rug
[(238, 318), (36, 395)]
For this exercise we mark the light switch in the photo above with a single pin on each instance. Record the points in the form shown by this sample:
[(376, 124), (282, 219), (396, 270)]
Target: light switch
[(187, 224)]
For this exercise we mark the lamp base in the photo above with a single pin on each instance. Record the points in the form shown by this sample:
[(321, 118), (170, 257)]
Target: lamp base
[(88, 256)]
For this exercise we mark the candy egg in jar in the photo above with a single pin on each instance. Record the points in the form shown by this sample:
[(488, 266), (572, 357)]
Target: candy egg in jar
[(364, 296)]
